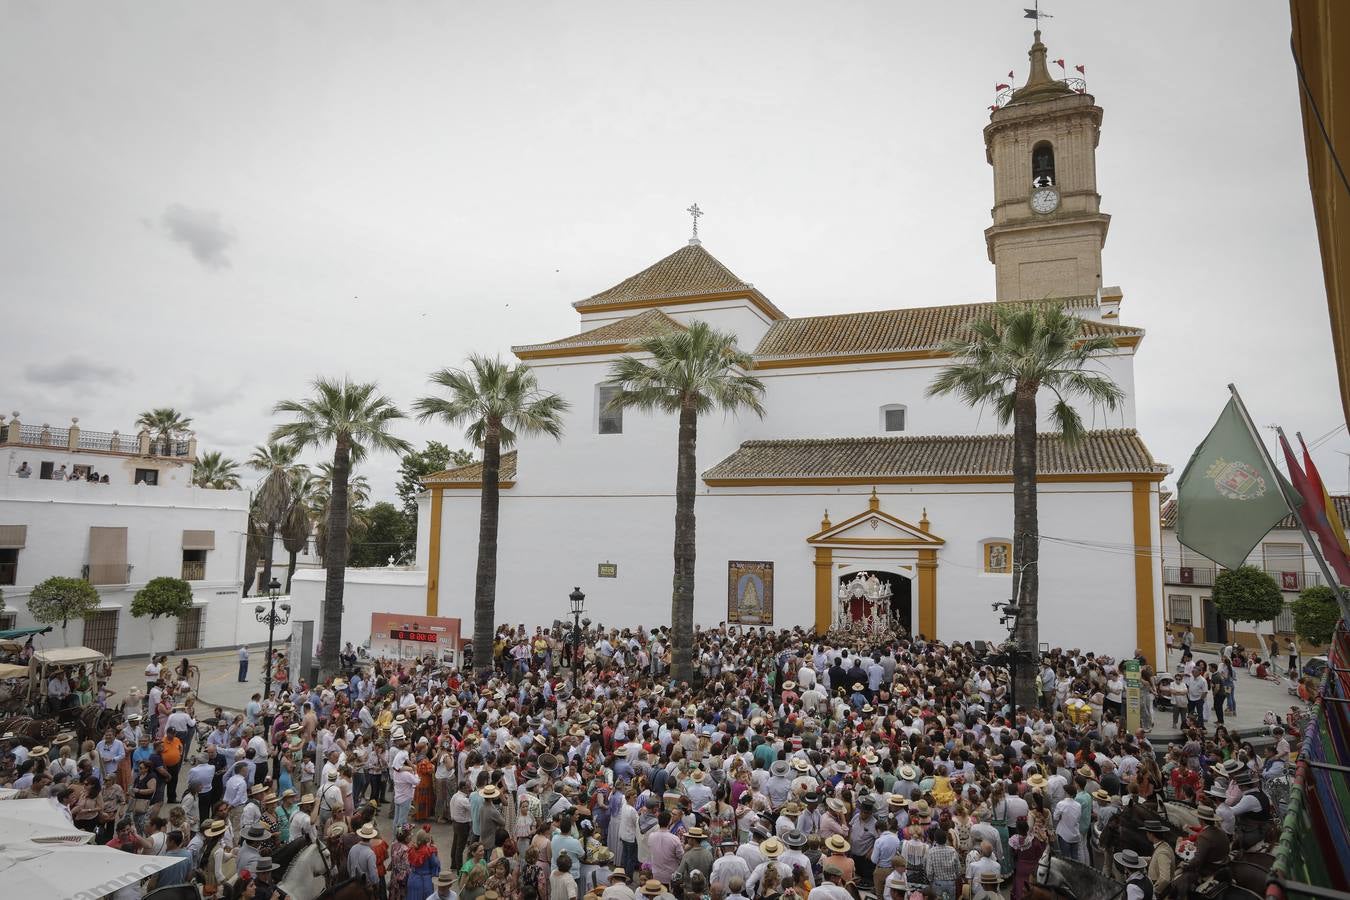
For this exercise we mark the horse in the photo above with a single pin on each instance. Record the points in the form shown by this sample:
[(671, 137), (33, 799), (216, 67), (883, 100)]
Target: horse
[(307, 874), (286, 853), (1059, 878), (351, 889)]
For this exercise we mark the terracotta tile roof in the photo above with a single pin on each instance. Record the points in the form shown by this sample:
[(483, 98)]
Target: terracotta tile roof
[(893, 330), (690, 271), (621, 334), (472, 474), (1100, 452), (1168, 513)]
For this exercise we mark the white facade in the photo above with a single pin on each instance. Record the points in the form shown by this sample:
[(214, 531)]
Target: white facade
[(121, 534), (1188, 579)]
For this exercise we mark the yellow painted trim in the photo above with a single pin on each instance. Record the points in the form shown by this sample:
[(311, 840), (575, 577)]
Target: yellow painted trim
[(840, 359), (466, 485), (824, 588), (575, 350), (928, 593), (1146, 627), (434, 555), (1069, 478), (758, 300), (919, 538)]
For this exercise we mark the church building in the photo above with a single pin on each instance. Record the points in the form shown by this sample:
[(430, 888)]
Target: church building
[(854, 492)]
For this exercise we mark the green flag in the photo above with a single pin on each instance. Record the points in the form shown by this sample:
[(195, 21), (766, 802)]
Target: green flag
[(1228, 496)]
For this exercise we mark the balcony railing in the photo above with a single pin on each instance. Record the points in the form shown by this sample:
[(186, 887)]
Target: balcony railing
[(106, 574), (106, 441), (1203, 576), (1200, 576), (194, 570)]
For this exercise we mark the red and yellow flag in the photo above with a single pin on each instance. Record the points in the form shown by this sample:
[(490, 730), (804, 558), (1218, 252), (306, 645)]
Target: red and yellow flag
[(1333, 517)]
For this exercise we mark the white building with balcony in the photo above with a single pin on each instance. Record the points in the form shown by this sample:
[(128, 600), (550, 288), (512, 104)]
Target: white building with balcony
[(140, 520), (1188, 581)]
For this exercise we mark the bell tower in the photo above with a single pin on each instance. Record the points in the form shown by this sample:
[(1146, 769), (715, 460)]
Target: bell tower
[(1048, 230)]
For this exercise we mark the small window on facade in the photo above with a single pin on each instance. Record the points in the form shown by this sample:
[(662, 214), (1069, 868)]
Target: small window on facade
[(609, 419), (998, 557), (893, 417), (1042, 165), (1179, 609), (194, 565), (147, 476), (46, 469), (9, 566)]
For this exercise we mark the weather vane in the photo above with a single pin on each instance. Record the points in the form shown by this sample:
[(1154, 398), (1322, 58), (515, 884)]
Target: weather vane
[(1036, 14), (694, 212)]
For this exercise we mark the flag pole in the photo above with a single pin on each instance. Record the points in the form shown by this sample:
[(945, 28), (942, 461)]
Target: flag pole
[(1313, 546)]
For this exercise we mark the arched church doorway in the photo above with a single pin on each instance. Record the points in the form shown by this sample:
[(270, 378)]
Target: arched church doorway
[(897, 587)]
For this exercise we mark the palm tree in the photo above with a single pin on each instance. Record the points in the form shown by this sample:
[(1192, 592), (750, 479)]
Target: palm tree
[(687, 372), (216, 471), (164, 423), (358, 497), (299, 522), (1007, 360), (274, 494), (355, 419), (253, 548), (495, 403)]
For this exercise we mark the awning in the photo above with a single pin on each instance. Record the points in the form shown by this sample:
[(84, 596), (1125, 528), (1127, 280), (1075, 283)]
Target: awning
[(67, 656), (8, 670), (15, 633), (198, 539), (13, 537)]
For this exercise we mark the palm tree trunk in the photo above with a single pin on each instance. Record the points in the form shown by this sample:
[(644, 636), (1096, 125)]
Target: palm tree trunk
[(682, 590), (250, 563), (290, 572), (485, 579), (269, 549), (1026, 545), (335, 558)]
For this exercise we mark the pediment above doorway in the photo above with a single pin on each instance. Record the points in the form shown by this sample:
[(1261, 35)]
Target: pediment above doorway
[(875, 527)]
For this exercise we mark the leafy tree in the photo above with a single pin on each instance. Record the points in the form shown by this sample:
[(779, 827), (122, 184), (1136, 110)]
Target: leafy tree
[(277, 460), (61, 599), (216, 471), (1316, 613), (165, 424), (1007, 360), (437, 457), (1247, 594), (386, 535), (168, 597), (691, 371), (495, 402), (354, 418)]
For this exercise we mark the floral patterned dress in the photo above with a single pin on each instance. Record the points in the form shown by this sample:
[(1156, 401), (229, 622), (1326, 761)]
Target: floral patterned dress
[(398, 871)]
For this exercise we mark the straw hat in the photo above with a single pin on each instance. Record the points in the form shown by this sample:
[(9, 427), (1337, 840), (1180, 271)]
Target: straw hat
[(857, 686), (1086, 771), (991, 878), (836, 806), (63, 738), (697, 775), (40, 750), (652, 888), (779, 768), (288, 793), (772, 848), (789, 685), (259, 789), (306, 799), (908, 773), (895, 801), (214, 828), (367, 832), (1102, 795), (919, 810), (1206, 814), (695, 833), (491, 792), (618, 874), (800, 764), (444, 880), (835, 843), (1037, 781), (791, 808)]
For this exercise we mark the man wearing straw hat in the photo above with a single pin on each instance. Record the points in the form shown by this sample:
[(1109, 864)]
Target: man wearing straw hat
[(361, 861)]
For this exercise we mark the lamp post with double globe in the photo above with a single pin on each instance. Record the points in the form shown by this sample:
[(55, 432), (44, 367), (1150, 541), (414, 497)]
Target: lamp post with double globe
[(270, 617), (578, 600)]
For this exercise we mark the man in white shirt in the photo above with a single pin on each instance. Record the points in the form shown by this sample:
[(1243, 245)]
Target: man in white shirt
[(1066, 814), (110, 753), (236, 794), (728, 866)]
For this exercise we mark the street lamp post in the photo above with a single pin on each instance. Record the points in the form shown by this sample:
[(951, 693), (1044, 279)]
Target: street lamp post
[(271, 618), (578, 600)]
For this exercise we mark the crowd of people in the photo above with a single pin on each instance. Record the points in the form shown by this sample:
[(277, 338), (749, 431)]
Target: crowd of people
[(789, 765)]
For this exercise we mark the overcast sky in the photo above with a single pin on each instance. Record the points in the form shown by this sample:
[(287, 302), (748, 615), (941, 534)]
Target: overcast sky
[(206, 205)]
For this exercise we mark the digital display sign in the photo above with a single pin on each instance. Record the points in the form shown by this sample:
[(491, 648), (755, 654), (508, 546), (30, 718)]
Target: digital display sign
[(407, 634)]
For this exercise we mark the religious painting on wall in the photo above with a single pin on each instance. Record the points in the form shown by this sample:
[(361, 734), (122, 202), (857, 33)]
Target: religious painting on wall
[(749, 593)]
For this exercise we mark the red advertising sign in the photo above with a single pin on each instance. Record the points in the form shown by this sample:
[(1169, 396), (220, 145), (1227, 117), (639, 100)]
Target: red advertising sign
[(412, 635)]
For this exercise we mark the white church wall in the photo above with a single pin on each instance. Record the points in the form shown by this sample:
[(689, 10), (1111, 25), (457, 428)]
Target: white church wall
[(1087, 591), (831, 401), (366, 591)]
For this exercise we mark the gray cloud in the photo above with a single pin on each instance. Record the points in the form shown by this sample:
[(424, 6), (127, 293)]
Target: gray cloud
[(203, 232), (73, 370), (207, 397)]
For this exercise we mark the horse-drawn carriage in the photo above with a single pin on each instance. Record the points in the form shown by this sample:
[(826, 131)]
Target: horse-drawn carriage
[(26, 711)]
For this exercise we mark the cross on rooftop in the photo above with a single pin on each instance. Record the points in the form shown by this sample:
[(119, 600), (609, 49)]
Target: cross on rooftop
[(694, 212)]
